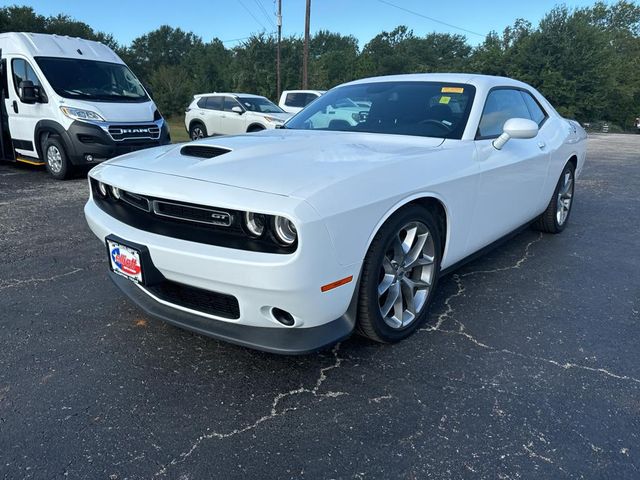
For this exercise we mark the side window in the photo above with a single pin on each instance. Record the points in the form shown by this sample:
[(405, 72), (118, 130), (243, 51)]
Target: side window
[(214, 103), (501, 105), (538, 115), (23, 71), (202, 103), (229, 103), (295, 100)]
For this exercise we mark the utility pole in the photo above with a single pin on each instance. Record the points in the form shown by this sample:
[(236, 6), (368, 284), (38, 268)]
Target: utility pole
[(305, 52), (278, 80)]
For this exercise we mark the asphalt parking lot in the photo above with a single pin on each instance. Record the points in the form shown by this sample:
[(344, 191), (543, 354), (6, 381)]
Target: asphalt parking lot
[(529, 367)]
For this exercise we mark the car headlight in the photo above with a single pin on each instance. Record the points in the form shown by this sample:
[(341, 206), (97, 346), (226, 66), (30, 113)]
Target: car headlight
[(273, 119), (254, 223), (102, 188), (285, 230), (79, 114)]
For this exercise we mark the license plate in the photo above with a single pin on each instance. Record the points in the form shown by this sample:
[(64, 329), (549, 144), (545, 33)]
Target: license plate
[(125, 261)]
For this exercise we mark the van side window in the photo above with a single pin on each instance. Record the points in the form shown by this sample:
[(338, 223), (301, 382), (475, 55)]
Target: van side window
[(501, 105), (23, 71)]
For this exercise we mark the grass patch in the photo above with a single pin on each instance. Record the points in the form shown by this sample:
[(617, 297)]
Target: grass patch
[(178, 132)]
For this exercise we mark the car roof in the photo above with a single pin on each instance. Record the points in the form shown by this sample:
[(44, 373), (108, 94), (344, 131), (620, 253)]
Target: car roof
[(227, 94), (475, 79), (304, 91)]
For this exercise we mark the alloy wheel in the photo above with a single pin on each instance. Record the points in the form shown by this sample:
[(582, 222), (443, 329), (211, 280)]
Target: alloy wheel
[(406, 275), (565, 195)]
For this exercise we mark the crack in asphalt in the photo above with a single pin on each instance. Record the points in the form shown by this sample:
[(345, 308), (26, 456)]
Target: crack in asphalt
[(15, 282), (462, 329), (274, 412)]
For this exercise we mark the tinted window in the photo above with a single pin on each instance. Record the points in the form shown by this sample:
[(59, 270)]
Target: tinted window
[(537, 114), (501, 105), (23, 71), (202, 103), (296, 100), (430, 109), (229, 103), (214, 103), (310, 97)]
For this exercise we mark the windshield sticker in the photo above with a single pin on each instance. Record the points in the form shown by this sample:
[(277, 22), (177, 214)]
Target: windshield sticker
[(452, 90), (445, 100)]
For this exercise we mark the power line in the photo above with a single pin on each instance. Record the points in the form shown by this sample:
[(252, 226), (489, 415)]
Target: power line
[(242, 38), (432, 19), (266, 14), (251, 13)]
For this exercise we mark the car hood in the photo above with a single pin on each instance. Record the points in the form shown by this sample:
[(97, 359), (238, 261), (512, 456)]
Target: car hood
[(117, 112), (283, 162)]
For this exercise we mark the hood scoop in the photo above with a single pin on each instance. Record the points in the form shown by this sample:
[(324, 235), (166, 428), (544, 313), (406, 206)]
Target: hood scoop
[(203, 151)]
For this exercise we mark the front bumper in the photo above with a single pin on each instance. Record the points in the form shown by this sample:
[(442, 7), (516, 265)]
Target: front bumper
[(83, 139), (259, 281), (284, 341)]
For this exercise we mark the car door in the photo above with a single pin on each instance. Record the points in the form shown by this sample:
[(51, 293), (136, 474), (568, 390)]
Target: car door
[(23, 117), (232, 122), (512, 178), (212, 114)]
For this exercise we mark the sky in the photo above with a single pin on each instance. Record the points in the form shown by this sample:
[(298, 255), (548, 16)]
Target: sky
[(234, 20)]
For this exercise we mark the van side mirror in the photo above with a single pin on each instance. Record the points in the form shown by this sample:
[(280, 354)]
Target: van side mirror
[(521, 128), (27, 92), (237, 109)]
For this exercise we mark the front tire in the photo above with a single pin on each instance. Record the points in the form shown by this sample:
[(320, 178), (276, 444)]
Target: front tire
[(399, 276), (56, 159), (556, 216)]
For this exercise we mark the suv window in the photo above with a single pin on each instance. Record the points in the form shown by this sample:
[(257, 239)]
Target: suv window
[(501, 105), (229, 103), (538, 115), (23, 71), (214, 103)]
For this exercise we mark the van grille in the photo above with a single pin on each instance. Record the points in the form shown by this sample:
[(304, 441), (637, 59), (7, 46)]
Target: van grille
[(120, 133)]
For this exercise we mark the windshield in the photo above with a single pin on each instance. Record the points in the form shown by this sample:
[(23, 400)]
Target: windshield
[(259, 104), (429, 109), (92, 80)]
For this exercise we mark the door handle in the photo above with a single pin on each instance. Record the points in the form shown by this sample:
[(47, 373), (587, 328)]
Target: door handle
[(15, 106), (541, 145)]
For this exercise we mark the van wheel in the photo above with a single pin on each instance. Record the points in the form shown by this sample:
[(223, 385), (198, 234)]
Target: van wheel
[(56, 159)]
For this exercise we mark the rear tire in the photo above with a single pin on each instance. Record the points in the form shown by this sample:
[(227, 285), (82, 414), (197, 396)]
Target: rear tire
[(197, 131), (399, 276), (556, 216), (56, 159)]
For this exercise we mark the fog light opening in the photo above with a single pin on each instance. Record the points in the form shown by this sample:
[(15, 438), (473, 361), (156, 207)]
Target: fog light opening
[(283, 317)]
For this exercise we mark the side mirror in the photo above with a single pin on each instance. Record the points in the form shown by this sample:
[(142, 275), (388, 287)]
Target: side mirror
[(237, 109), (27, 92), (516, 128)]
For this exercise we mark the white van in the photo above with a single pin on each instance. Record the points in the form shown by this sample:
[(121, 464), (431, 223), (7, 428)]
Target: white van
[(70, 102)]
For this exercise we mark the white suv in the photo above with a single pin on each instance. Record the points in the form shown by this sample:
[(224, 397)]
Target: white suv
[(230, 114), (293, 101)]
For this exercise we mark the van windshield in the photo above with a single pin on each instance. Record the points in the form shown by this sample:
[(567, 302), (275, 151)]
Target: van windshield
[(92, 80)]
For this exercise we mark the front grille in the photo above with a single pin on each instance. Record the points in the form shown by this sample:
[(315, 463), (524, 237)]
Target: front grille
[(135, 200), (195, 223), (134, 132), (205, 301), (189, 213)]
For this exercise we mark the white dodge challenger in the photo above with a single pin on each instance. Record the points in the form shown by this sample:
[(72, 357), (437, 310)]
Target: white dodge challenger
[(289, 240)]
